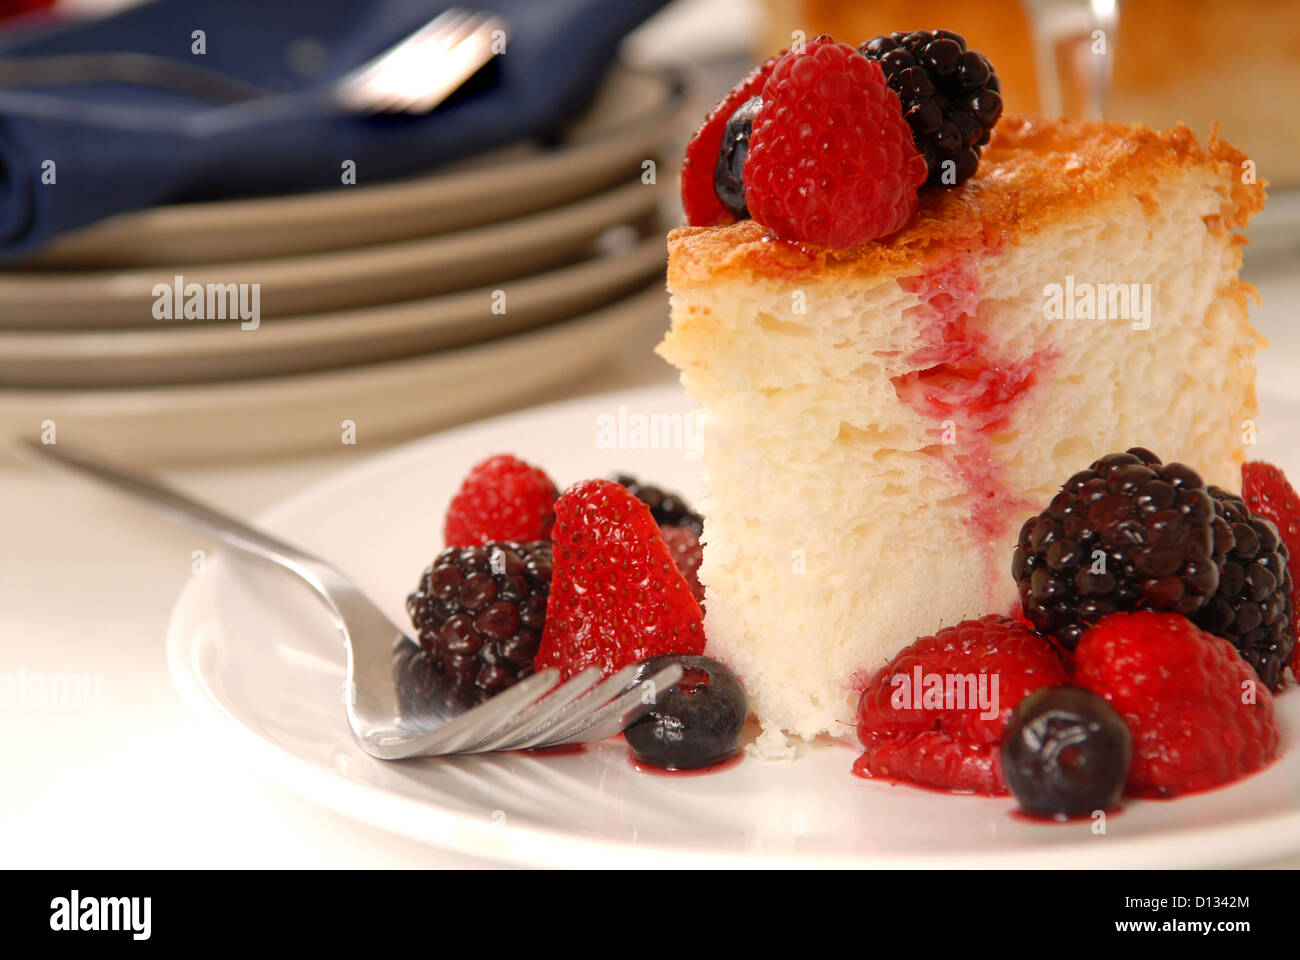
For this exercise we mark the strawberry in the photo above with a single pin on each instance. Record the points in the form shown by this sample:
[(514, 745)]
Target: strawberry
[(617, 596), (1268, 494), (699, 197), (502, 499)]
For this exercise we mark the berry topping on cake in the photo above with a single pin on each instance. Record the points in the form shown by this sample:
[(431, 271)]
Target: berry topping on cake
[(694, 723), (502, 499), (479, 613), (950, 98), (831, 160), (688, 555), (700, 197), (729, 174), (1128, 533), (617, 597), (669, 509), (1197, 711), (1066, 753), (1268, 494), (826, 144), (936, 714), (1252, 607)]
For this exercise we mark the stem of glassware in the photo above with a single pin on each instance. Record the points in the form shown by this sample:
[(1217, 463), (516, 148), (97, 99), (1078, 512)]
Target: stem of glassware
[(1074, 47)]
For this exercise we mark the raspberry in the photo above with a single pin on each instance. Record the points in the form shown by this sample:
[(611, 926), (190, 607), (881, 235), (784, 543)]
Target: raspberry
[(831, 160), (950, 97), (699, 196), (669, 509), (617, 597), (1252, 607), (687, 554), (1128, 533), (1198, 713), (945, 742), (480, 612), (1268, 494), (502, 499)]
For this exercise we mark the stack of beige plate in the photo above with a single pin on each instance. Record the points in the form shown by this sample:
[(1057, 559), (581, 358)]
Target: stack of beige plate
[(219, 330)]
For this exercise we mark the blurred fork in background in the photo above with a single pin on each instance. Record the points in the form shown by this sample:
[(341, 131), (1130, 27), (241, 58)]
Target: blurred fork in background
[(412, 77), (427, 67)]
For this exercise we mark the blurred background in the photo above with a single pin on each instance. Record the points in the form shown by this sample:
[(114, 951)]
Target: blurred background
[(222, 242), (206, 256)]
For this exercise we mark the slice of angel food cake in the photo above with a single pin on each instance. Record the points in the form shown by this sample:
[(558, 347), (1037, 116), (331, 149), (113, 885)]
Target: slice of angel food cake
[(906, 321)]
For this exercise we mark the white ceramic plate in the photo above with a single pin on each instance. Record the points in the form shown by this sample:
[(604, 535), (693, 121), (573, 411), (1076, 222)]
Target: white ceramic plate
[(278, 416), (625, 124), (224, 351), (335, 280), (256, 657)]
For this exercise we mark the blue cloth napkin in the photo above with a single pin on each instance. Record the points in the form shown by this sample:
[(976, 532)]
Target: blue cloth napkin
[(117, 148)]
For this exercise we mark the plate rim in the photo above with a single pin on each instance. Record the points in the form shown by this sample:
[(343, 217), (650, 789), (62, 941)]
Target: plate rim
[(128, 397), (542, 847), (154, 412), (1224, 845), (583, 217), (558, 294)]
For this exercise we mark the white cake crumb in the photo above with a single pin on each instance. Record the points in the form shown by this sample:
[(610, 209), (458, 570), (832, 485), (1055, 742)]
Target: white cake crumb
[(771, 744)]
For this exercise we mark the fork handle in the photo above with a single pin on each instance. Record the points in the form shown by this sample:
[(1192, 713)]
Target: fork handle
[(157, 496)]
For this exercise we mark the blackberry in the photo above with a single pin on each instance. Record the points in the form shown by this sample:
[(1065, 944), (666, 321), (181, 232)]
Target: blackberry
[(668, 509), (728, 175), (480, 612), (950, 96), (1128, 533), (1252, 607)]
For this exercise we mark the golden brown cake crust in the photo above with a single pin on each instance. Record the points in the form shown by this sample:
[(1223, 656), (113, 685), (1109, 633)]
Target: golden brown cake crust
[(1033, 172)]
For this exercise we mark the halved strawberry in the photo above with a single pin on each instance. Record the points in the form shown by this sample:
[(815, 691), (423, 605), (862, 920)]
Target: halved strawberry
[(1268, 494), (616, 595), (699, 198)]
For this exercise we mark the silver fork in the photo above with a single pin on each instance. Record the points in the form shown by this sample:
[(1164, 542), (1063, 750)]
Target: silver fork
[(412, 77), (425, 68), (398, 704)]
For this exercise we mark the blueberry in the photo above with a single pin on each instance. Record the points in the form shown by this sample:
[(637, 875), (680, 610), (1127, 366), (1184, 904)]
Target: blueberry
[(1066, 753), (695, 723), (728, 175)]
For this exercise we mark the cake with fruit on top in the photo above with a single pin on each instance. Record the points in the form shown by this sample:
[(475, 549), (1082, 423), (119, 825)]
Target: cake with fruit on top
[(905, 319)]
